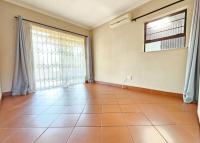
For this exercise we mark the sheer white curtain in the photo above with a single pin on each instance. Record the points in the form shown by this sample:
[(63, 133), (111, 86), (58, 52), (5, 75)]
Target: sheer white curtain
[(59, 57)]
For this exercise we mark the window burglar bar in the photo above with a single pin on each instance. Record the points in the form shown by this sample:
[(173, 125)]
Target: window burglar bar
[(166, 32), (59, 58)]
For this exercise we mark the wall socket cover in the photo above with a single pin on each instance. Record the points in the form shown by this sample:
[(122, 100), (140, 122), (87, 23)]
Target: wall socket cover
[(129, 77)]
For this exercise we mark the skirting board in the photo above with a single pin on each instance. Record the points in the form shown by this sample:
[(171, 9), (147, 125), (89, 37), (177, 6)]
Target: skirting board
[(140, 89), (6, 94)]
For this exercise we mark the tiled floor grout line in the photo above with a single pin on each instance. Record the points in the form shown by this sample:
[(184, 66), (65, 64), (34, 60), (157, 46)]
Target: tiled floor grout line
[(160, 133), (46, 128), (127, 126), (52, 123), (75, 124), (155, 127), (101, 126), (130, 134), (40, 135), (124, 119)]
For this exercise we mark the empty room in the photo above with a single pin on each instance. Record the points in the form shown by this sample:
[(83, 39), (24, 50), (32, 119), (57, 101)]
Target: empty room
[(99, 71)]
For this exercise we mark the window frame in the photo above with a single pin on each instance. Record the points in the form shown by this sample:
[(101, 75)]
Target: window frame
[(51, 71), (169, 37)]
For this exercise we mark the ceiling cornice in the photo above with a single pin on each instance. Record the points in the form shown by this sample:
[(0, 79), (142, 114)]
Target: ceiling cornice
[(137, 4), (47, 14), (50, 14)]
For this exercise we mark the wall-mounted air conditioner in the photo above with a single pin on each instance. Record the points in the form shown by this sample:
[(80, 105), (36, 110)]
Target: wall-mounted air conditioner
[(120, 20)]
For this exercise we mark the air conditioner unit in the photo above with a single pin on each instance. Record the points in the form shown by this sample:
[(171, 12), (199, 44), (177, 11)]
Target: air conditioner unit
[(120, 20)]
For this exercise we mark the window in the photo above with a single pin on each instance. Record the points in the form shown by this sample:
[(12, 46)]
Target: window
[(166, 33), (59, 58)]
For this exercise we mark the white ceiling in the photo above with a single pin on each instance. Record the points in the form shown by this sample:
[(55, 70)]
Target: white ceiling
[(86, 13)]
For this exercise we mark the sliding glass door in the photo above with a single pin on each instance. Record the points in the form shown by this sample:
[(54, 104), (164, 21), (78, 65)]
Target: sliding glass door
[(59, 58)]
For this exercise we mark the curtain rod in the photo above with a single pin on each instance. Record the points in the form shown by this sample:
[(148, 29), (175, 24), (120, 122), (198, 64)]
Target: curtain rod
[(134, 19), (53, 27)]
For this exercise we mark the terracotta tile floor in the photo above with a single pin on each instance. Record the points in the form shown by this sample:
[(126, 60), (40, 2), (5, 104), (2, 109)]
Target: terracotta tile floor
[(94, 113)]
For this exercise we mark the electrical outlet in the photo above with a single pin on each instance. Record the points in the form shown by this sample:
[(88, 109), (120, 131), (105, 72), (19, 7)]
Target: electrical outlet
[(129, 77)]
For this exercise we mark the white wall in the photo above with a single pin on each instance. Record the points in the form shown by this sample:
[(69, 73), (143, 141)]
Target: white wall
[(118, 52)]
